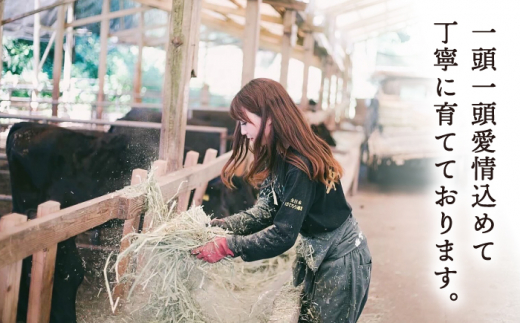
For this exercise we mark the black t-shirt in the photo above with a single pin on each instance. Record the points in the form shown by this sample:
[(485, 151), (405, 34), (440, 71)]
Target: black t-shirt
[(289, 203)]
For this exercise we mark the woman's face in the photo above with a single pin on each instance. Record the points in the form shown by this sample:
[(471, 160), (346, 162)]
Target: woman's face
[(251, 129)]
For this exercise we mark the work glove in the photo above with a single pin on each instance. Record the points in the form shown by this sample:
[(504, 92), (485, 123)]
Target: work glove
[(213, 251)]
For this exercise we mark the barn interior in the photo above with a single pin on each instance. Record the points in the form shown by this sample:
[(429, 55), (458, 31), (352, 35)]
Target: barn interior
[(172, 67)]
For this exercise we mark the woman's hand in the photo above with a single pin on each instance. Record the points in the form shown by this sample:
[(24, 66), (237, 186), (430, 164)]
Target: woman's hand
[(221, 223), (213, 251)]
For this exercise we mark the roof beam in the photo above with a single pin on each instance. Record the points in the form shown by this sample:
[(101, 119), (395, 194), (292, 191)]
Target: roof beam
[(239, 12), (287, 4), (110, 15)]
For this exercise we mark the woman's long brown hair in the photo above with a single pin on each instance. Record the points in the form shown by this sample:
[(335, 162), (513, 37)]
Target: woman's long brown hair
[(270, 101)]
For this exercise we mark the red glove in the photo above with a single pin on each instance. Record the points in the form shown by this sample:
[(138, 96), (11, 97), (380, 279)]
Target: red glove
[(213, 251)]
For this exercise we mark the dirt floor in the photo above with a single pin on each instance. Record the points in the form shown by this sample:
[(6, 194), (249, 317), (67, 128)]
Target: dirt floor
[(396, 219)]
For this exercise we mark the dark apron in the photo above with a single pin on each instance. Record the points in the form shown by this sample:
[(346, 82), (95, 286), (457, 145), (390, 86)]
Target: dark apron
[(335, 270)]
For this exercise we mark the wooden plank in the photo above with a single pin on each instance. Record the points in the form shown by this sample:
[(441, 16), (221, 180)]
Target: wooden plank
[(103, 50), (58, 59), (32, 12), (138, 60), (36, 48), (67, 64), (107, 16), (182, 202), (239, 12), (210, 155), (195, 36), (42, 274), (130, 226), (37, 234), (251, 40), (288, 4), (10, 274), (308, 47), (47, 50), (176, 81), (289, 21)]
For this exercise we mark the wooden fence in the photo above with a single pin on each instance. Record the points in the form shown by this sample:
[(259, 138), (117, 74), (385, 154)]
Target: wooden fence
[(20, 238)]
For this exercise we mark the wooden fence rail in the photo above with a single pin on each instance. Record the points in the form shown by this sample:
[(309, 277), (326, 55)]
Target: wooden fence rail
[(137, 124), (38, 234)]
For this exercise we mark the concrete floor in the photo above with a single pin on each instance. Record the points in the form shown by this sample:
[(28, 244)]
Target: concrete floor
[(396, 218)]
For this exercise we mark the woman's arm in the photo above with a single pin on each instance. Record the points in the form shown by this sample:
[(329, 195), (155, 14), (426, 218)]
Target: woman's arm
[(281, 235), (256, 218)]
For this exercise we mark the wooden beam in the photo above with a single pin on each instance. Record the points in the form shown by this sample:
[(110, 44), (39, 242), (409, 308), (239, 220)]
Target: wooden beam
[(288, 4), (67, 65), (47, 50), (289, 22), (10, 274), (250, 40), (108, 15), (58, 59), (133, 31), (103, 50), (198, 196), (322, 86), (36, 48), (42, 273), (138, 60), (308, 47), (239, 12), (30, 237), (130, 226), (179, 57), (32, 12)]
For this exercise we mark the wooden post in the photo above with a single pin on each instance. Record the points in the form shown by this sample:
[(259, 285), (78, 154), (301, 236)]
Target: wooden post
[(42, 274), (182, 202), (10, 275), (58, 59), (289, 21), (251, 39), (36, 52), (103, 50), (138, 61), (67, 65), (210, 155), (346, 89), (176, 80), (308, 47), (322, 85), (130, 226)]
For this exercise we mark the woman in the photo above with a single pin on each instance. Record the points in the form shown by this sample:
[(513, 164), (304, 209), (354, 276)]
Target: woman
[(300, 193)]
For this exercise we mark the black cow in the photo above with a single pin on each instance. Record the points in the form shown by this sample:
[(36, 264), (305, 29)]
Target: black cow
[(323, 132), (52, 163)]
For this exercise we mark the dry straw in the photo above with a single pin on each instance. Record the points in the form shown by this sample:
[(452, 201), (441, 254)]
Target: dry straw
[(170, 284)]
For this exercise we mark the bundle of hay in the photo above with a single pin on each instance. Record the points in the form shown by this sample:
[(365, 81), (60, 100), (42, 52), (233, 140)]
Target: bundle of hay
[(171, 285)]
